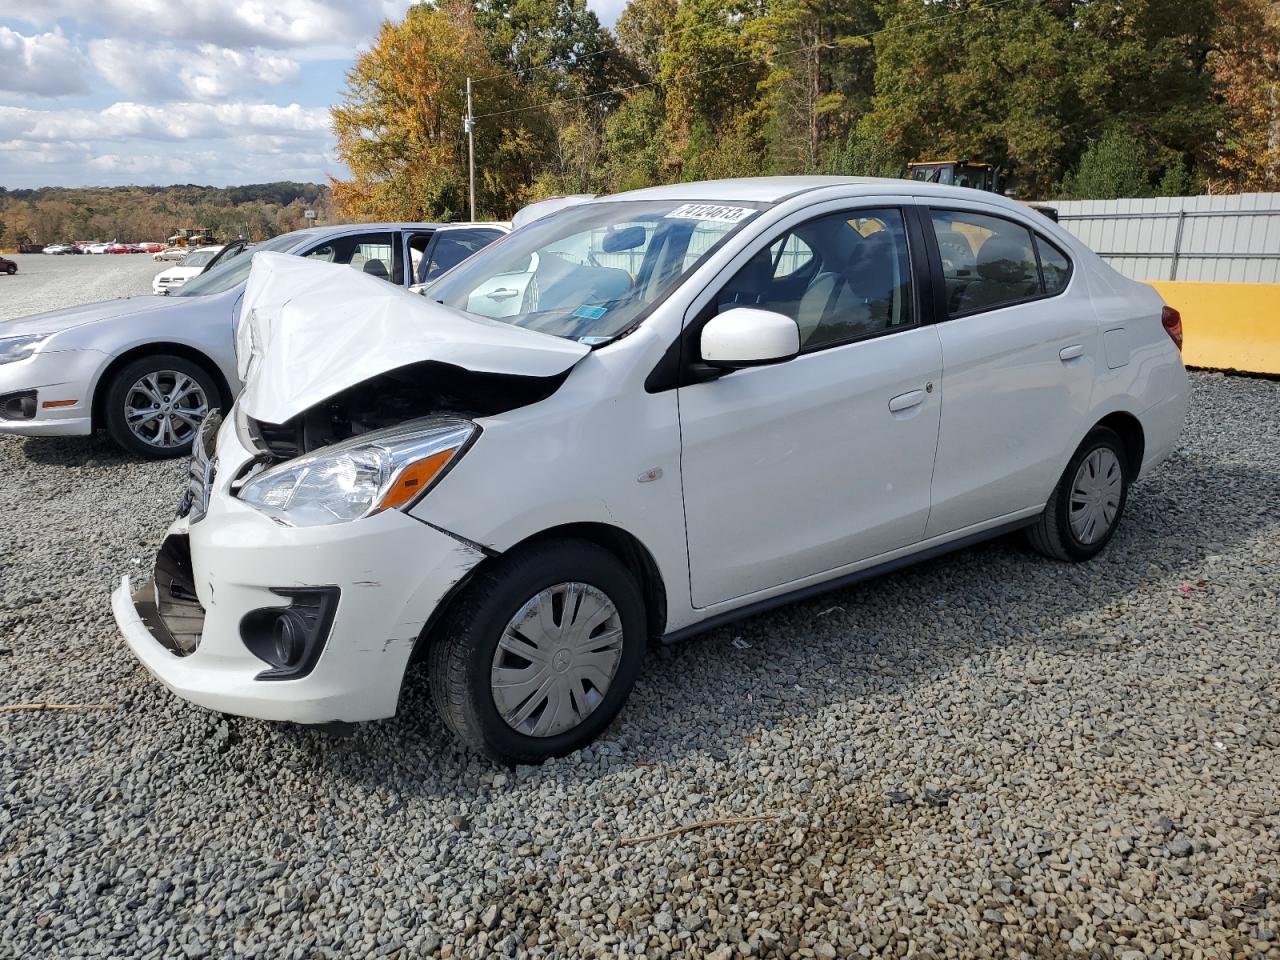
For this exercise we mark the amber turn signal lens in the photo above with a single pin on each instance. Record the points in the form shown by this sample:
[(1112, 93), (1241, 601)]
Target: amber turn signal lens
[(414, 479), (59, 403)]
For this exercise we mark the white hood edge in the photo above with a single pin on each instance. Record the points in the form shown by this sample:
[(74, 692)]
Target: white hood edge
[(309, 330)]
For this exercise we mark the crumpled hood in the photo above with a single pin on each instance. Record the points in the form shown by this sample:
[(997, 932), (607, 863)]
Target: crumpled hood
[(55, 321), (309, 330)]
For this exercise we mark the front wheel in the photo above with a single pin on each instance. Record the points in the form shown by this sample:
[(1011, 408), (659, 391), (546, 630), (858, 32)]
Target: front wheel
[(11, 269), (539, 654), (154, 405), (1085, 509)]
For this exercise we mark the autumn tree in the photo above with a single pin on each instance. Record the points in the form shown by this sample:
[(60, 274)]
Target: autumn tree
[(399, 126), (710, 78), (1245, 61), (641, 32), (817, 67)]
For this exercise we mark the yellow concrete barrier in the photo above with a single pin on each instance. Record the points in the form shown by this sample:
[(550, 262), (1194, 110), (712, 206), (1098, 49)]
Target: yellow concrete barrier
[(1227, 326)]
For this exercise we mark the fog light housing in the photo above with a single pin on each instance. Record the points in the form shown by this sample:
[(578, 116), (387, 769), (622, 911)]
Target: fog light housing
[(18, 406), (290, 639)]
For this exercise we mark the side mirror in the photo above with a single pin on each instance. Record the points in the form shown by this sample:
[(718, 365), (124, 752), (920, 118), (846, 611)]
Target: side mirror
[(747, 337)]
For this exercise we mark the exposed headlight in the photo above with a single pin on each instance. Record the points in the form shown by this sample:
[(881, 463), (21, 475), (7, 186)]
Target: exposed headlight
[(361, 476), (19, 348)]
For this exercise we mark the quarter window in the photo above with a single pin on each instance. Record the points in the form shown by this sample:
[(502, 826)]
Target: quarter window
[(987, 262), (841, 277), (1054, 265)]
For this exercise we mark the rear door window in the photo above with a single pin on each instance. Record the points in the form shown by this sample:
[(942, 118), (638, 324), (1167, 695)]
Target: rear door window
[(987, 262), (451, 248), (370, 253)]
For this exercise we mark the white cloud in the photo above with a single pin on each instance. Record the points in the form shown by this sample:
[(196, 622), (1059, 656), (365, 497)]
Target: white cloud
[(274, 24), (46, 64), (166, 72), (175, 121), (185, 142), (137, 166)]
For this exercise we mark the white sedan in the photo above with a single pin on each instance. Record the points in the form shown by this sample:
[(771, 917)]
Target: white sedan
[(642, 417), (196, 262)]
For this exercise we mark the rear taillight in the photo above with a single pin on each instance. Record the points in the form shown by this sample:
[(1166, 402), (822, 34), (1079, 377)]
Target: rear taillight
[(1172, 321)]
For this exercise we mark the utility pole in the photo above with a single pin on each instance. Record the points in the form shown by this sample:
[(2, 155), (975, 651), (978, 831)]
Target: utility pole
[(469, 123)]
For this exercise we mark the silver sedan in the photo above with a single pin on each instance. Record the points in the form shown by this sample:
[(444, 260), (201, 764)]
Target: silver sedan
[(149, 369)]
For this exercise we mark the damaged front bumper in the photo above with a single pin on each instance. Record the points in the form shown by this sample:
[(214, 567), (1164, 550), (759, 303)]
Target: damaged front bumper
[(359, 594)]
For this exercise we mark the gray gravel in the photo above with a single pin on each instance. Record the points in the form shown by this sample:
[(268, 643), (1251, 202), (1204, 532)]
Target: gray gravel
[(987, 755), (45, 282)]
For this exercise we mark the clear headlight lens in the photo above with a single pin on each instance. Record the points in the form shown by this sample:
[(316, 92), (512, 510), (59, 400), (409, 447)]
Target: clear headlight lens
[(19, 348), (361, 476)]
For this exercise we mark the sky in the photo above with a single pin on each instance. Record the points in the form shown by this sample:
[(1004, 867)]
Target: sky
[(218, 92)]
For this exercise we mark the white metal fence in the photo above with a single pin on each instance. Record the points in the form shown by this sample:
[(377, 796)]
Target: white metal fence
[(1228, 238)]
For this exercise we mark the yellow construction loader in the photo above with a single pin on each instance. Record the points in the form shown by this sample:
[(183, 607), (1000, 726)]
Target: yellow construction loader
[(966, 173)]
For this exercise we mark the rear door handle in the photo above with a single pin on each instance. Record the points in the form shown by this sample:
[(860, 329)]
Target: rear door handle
[(1071, 352), (905, 401)]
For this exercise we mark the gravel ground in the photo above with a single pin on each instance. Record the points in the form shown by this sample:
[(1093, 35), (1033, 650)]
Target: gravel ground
[(46, 282), (987, 755)]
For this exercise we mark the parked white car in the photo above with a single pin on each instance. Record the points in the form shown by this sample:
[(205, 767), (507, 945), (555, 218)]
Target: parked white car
[(171, 253), (97, 247), (192, 265), (148, 369), (709, 399)]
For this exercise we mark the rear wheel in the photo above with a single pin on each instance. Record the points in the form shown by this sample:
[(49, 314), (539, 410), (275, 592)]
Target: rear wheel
[(154, 405), (538, 656), (1085, 509)]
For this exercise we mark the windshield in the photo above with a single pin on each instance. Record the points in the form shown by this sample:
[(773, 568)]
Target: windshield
[(589, 272), (231, 272), (197, 259)]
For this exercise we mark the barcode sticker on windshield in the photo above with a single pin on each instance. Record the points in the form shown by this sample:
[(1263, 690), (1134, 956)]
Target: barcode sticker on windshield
[(710, 211)]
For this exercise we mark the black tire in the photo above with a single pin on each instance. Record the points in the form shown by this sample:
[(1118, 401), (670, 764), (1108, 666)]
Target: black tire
[(11, 269), (1051, 534), (113, 402), (462, 656)]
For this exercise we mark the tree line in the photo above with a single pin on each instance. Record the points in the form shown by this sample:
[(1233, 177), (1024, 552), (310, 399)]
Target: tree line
[(1073, 98), (133, 214)]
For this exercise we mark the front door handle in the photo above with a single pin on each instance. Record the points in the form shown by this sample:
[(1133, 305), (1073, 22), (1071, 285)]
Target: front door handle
[(1071, 352), (905, 401)]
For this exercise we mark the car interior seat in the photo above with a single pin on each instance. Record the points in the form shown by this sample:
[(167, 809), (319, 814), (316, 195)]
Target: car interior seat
[(376, 268), (853, 298), (1003, 275)]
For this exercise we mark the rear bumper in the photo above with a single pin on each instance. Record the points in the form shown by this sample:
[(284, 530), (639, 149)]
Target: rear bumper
[(1162, 424)]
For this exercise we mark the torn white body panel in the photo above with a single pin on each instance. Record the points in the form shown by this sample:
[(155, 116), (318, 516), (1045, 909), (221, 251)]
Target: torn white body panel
[(309, 330)]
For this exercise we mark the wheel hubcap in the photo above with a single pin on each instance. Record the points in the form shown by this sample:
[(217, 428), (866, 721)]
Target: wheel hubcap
[(556, 660), (1095, 495), (164, 408)]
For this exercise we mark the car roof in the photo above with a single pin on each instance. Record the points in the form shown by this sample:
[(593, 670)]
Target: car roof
[(392, 225), (775, 189)]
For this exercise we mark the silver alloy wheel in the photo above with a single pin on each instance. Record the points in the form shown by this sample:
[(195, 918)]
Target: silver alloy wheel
[(164, 408), (556, 659), (1095, 495)]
